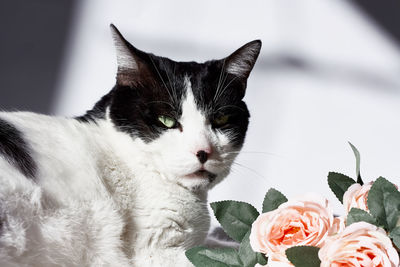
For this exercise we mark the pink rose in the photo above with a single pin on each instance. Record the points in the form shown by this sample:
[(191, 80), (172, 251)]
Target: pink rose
[(356, 197), (275, 264), (360, 244), (304, 221), (337, 226)]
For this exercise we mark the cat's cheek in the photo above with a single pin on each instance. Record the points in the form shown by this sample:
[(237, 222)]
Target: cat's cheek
[(171, 157)]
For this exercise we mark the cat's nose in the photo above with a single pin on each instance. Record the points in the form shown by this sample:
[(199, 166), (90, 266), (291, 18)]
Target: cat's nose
[(202, 156)]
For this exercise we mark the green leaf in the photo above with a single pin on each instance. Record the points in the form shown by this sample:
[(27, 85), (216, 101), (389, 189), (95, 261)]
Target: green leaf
[(339, 183), (395, 236), (358, 160), (262, 259), (249, 257), (218, 257), (303, 256), (358, 215), (391, 203), (272, 200), (235, 217), (380, 190)]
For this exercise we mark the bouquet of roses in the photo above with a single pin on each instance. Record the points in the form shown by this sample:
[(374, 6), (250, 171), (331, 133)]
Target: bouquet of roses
[(303, 231)]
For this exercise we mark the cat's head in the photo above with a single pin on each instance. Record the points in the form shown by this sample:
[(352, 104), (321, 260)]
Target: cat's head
[(190, 117)]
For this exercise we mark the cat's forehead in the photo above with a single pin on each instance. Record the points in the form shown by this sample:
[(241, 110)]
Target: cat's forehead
[(208, 83)]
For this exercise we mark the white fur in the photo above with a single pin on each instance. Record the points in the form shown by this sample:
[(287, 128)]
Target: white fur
[(103, 198)]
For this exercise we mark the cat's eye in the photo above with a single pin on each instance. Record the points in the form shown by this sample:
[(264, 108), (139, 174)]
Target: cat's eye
[(167, 121), (221, 120)]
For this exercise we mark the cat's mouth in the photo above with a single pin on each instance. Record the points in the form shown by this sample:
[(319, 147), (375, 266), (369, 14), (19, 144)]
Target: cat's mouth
[(202, 173)]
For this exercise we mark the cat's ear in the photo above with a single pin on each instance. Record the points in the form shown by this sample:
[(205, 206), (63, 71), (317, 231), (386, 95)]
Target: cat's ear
[(241, 62), (132, 63)]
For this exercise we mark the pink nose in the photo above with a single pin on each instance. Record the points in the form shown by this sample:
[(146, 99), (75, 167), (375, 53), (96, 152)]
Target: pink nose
[(202, 156)]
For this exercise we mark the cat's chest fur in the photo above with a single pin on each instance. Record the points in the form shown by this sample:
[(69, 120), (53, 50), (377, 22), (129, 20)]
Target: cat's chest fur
[(160, 214)]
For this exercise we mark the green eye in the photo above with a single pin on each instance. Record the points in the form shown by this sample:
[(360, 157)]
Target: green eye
[(221, 120), (167, 121)]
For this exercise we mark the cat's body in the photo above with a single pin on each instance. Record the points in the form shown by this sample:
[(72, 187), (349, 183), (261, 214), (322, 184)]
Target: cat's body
[(90, 201), (126, 184)]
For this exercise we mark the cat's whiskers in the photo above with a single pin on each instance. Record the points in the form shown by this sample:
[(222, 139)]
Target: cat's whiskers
[(165, 85), (161, 102), (219, 80), (226, 86), (252, 152), (217, 94), (229, 106), (171, 84), (258, 175)]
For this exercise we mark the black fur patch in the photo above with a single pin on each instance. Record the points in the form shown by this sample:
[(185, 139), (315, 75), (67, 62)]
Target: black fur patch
[(156, 86), (98, 111), (15, 150), (219, 93)]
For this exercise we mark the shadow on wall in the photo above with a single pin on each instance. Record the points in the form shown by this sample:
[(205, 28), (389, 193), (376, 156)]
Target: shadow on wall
[(386, 14), (34, 35), (33, 39)]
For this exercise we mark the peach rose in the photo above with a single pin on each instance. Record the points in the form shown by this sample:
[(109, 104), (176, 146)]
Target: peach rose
[(337, 226), (275, 264), (303, 221), (356, 197), (360, 244)]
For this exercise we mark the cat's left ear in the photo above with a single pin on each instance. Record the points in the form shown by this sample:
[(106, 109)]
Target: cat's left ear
[(241, 62)]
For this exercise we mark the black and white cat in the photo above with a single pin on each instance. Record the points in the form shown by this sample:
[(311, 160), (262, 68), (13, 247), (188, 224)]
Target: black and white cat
[(126, 184)]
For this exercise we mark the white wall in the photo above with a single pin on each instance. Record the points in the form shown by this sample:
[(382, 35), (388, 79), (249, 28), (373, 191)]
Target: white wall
[(302, 114)]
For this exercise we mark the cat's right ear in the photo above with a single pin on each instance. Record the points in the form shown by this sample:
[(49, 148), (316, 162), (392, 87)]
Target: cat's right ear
[(132, 66)]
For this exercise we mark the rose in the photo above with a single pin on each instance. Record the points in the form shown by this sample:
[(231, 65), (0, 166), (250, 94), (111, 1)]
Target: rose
[(356, 196), (337, 226), (303, 221), (360, 244), (275, 264)]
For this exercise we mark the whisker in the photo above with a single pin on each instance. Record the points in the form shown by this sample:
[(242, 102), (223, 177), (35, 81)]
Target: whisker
[(170, 82), (163, 102), (253, 152), (159, 74), (230, 106), (223, 90), (219, 80), (259, 175), (218, 93)]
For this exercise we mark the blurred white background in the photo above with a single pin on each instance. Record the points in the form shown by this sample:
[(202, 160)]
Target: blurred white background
[(327, 74)]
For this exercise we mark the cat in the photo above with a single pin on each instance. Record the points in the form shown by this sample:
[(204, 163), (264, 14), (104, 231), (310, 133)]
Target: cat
[(125, 184)]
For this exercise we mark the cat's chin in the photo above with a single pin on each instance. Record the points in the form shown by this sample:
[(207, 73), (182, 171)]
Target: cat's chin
[(202, 174), (200, 180)]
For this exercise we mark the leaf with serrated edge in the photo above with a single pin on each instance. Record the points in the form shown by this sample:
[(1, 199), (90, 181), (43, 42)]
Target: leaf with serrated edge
[(217, 257), (339, 183), (358, 161), (235, 217), (391, 203), (246, 253), (358, 215), (303, 256), (376, 197), (395, 236), (272, 200)]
